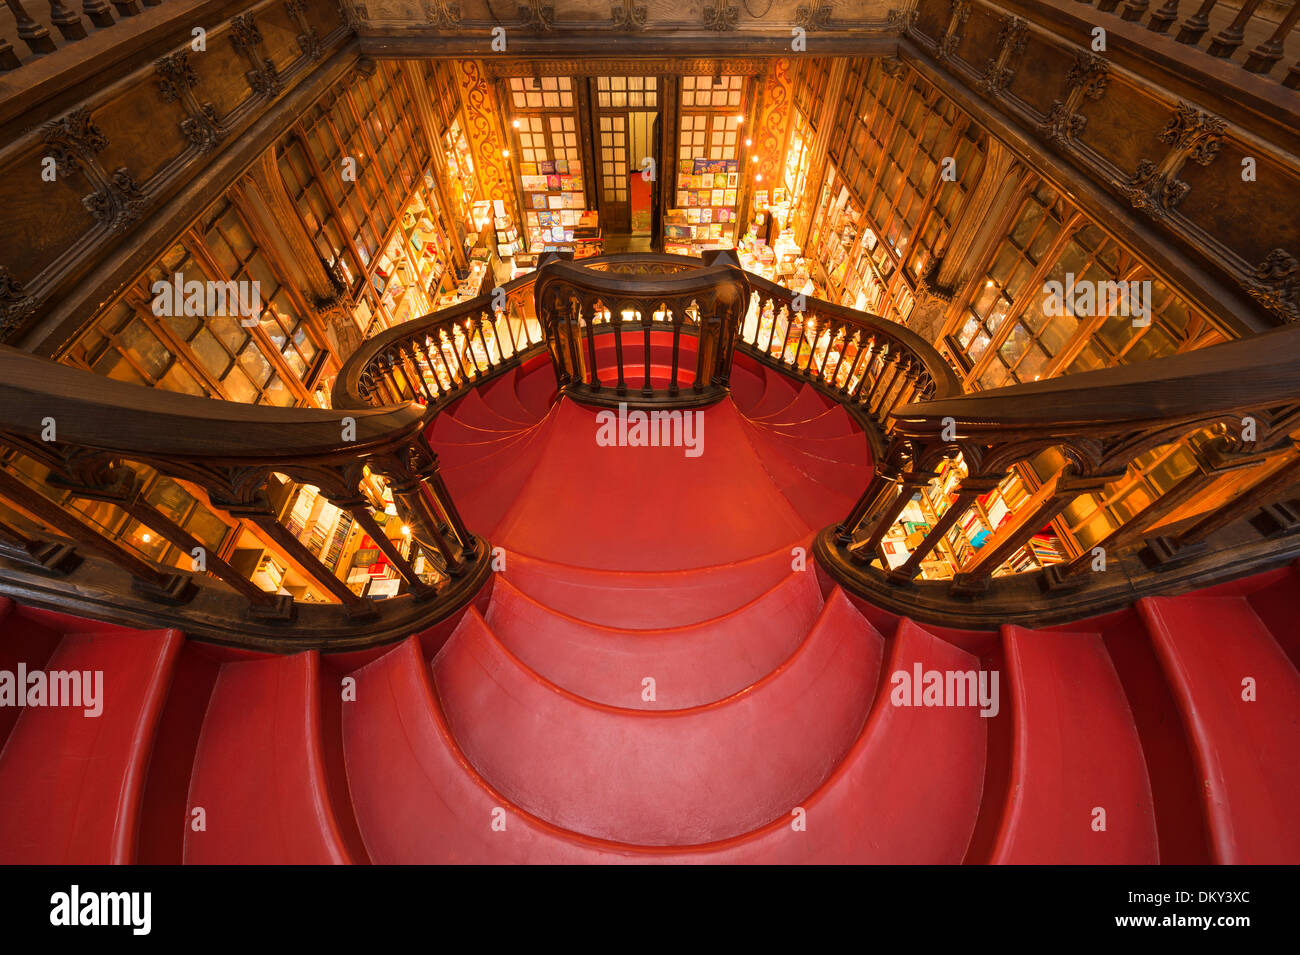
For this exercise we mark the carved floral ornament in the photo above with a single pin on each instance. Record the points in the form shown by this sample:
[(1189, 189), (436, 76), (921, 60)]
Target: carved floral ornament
[(15, 304), (74, 141), (1191, 134), (627, 15), (1087, 78), (1275, 284), (176, 82), (952, 37), (722, 16), (814, 16), (537, 16), (1012, 39)]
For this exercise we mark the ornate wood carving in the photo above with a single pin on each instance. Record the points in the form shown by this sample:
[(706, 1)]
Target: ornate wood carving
[(308, 39), (355, 15), (247, 39), (176, 81), (814, 16), (483, 133), (1088, 77), (998, 73), (772, 124), (444, 14), (1275, 284), (701, 66), (1191, 134), (952, 37), (892, 66), (15, 304), (73, 142), (626, 15), (901, 20), (537, 16), (721, 16)]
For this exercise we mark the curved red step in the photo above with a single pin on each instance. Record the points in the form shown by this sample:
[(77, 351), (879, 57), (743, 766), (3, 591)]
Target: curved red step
[(536, 388), (778, 394), (807, 405), (662, 778), (1076, 751), (500, 397), (828, 423), (72, 782), (474, 411), (691, 665), (646, 600), (1245, 749), (484, 489), (746, 388), (723, 505), (265, 804)]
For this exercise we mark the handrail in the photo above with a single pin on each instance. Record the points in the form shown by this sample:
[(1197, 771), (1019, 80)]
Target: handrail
[(91, 434), (1233, 408), (700, 307)]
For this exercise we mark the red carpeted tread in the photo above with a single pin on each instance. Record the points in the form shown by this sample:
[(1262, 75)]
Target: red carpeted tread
[(500, 397), (474, 411), (73, 783), (659, 777), (778, 393), (265, 804), (644, 601), (1079, 791), (1245, 750), (691, 665), (536, 388)]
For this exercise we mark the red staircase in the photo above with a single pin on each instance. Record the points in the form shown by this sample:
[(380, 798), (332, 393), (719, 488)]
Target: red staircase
[(660, 675)]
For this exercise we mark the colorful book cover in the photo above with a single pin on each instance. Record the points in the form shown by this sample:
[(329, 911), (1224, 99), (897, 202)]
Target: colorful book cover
[(720, 180), (729, 197), (539, 200), (552, 182), (562, 166), (717, 197), (733, 180), (546, 167)]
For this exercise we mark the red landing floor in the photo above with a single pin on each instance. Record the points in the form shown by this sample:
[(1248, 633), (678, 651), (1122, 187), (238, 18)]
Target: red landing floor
[(657, 677)]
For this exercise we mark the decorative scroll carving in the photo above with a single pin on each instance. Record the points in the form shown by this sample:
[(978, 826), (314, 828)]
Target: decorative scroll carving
[(176, 81), (538, 16), (998, 74), (444, 14), (247, 39), (892, 66), (1274, 283), (628, 16), (15, 304), (1155, 188), (1088, 77), (355, 15), (772, 123), (814, 16), (74, 141), (901, 20), (721, 17), (483, 133), (308, 39), (951, 37)]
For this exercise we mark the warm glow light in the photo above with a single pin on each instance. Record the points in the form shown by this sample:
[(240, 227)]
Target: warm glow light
[(406, 530), (146, 537), (515, 124), (740, 119), (753, 159), (988, 284), (749, 142), (758, 177), (505, 153)]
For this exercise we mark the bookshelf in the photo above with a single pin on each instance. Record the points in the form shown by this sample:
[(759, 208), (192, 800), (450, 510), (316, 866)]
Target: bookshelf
[(705, 213)]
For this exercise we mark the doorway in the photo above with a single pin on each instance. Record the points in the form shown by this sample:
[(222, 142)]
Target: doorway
[(627, 141)]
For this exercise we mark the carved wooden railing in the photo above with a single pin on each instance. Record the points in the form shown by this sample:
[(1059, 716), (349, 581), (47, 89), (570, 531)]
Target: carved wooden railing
[(1237, 405), (868, 363), (37, 31), (1272, 25), (673, 335), (92, 434)]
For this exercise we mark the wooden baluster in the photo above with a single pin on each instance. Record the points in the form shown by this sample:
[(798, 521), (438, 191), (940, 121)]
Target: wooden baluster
[(357, 608), (127, 8), (361, 514), (903, 382), (502, 318), (883, 480), (8, 58), (677, 346), (261, 603), (1133, 9), (436, 350), (861, 370), (772, 304), (1194, 27), (1106, 6), (1160, 20), (1262, 58), (621, 387), (789, 329), (46, 556), (971, 488), (1248, 501), (1292, 80), (148, 580), (1040, 509), (411, 364), (593, 375), (646, 319), (69, 23), (36, 37), (1227, 40), (1225, 43), (836, 332), (909, 483), (98, 12), (884, 383), (442, 496), (432, 386)]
